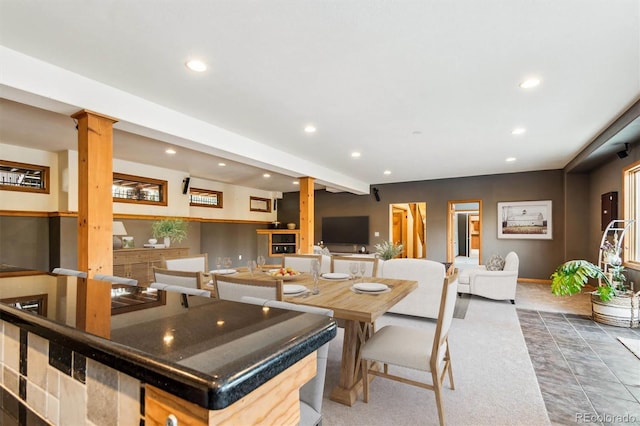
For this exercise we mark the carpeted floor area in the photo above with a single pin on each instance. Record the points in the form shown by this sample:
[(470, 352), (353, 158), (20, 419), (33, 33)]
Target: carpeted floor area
[(494, 378), (542, 361)]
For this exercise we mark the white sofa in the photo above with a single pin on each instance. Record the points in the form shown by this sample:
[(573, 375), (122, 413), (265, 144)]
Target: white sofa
[(424, 301), (497, 285)]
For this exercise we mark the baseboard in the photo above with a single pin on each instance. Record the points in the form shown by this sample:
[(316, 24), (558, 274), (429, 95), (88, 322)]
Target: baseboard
[(534, 281)]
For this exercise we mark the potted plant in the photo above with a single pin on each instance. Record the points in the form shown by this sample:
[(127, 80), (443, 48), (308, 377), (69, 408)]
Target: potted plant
[(170, 229), (612, 302), (388, 250)]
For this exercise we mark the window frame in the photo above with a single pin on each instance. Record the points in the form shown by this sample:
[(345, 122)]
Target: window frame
[(162, 185), (44, 176), (631, 210), (206, 193), (259, 204)]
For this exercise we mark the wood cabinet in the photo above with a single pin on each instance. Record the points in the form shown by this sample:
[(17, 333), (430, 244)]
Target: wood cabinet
[(274, 243), (138, 263)]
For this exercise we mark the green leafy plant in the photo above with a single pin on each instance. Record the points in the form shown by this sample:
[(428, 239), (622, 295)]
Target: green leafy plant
[(569, 278), (176, 229), (388, 250)]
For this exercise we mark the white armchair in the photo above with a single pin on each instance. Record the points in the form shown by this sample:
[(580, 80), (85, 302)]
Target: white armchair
[(497, 285)]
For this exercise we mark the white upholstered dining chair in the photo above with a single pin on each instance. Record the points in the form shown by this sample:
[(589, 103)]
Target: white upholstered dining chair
[(302, 262), (188, 283), (234, 288), (195, 263), (341, 264), (312, 391), (423, 349)]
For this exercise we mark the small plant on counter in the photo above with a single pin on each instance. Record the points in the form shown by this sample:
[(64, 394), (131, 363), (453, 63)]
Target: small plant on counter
[(387, 250), (175, 229)]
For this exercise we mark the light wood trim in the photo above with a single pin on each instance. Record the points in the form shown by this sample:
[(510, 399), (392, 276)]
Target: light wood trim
[(27, 213), (274, 403), (307, 206), (450, 230), (95, 220)]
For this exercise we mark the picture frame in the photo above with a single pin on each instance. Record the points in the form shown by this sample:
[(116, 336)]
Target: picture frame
[(525, 220)]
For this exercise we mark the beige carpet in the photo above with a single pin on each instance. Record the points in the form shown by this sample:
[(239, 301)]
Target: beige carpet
[(632, 344), (495, 381)]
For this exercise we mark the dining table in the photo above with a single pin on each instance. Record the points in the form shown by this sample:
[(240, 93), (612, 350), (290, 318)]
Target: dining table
[(357, 311)]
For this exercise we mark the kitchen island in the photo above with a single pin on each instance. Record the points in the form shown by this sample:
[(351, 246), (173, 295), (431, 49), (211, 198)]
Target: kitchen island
[(215, 363)]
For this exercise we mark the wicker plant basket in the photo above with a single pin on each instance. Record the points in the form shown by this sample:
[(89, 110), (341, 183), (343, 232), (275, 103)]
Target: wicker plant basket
[(621, 311)]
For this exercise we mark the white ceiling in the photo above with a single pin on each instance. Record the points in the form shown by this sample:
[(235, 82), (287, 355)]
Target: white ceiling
[(426, 89)]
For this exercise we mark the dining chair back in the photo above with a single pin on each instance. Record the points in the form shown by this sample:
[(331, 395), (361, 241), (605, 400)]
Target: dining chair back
[(311, 393), (341, 264), (185, 282), (234, 288), (196, 263), (425, 349), (301, 262)]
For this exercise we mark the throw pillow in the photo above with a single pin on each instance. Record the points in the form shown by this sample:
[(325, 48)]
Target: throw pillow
[(496, 263)]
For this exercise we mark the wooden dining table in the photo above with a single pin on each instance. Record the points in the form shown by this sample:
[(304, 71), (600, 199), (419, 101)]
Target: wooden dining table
[(358, 312)]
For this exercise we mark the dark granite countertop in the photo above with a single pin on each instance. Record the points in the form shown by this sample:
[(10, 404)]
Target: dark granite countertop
[(211, 354)]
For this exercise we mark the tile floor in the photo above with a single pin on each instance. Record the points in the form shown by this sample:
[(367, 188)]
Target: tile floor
[(585, 374)]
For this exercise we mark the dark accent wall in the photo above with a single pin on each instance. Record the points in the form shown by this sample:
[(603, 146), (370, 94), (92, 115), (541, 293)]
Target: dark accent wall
[(230, 240), (608, 178), (538, 258), (24, 242)]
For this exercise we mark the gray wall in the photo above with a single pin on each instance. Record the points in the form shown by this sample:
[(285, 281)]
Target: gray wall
[(608, 178), (24, 242), (230, 240), (538, 258)]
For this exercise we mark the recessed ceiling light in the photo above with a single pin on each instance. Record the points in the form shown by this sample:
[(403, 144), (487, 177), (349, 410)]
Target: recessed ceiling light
[(530, 83), (387, 172), (510, 159), (355, 154), (295, 182), (266, 175), (196, 65), (222, 164), (518, 131), (310, 129), (170, 151)]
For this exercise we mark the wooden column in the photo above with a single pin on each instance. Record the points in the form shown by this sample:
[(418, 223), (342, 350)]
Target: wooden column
[(95, 220), (306, 215)]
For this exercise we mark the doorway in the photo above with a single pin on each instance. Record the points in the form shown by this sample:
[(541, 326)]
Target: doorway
[(464, 233), (408, 226)]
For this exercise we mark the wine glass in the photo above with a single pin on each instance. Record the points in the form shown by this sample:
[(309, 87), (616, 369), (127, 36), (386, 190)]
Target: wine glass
[(261, 261), (363, 268), (315, 274), (226, 262), (218, 263), (353, 269), (251, 266)]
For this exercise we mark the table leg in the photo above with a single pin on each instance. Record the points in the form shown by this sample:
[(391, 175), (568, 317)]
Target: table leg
[(350, 384)]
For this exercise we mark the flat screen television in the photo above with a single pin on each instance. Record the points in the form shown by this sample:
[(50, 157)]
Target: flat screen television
[(345, 230)]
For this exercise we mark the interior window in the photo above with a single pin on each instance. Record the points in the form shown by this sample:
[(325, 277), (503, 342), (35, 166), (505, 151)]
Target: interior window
[(631, 176), (23, 177)]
